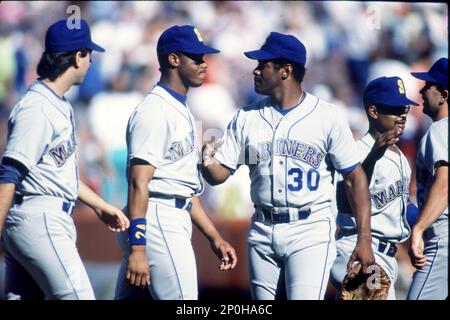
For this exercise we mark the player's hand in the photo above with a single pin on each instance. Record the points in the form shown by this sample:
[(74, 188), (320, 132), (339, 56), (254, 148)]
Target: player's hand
[(113, 218), (388, 138), (138, 270), (385, 140), (363, 252), (418, 259), (226, 253), (209, 151)]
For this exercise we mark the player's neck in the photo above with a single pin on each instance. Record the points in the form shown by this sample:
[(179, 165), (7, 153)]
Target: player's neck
[(373, 133), (60, 86), (175, 84), (287, 100), (441, 114)]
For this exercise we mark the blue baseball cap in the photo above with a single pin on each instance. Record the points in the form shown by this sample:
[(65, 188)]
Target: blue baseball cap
[(61, 37), (185, 39), (389, 91), (280, 45), (438, 73)]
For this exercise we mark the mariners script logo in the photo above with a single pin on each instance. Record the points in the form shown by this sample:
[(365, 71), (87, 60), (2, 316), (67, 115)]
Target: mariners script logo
[(62, 151)]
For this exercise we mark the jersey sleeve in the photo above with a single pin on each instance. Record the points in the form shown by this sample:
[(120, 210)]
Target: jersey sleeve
[(437, 146), (146, 135), (9, 174), (230, 154), (29, 133), (342, 148)]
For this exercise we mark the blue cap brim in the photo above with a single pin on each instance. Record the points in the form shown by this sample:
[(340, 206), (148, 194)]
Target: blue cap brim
[(95, 47), (425, 76), (201, 50), (260, 55), (396, 102)]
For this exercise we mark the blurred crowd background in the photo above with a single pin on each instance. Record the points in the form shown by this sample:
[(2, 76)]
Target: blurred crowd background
[(348, 44)]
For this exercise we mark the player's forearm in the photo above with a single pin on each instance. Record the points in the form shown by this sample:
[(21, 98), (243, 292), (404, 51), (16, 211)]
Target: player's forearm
[(137, 208), (138, 194), (369, 162), (436, 201), (359, 200), (6, 197), (215, 174), (141, 173), (91, 199), (202, 221), (137, 199)]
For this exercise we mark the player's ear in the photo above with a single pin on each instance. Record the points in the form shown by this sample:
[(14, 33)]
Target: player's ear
[(444, 96), (286, 70), (77, 59), (174, 60), (372, 111)]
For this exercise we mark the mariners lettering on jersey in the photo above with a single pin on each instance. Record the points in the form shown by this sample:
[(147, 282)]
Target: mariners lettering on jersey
[(298, 150), (382, 198), (286, 147), (179, 149), (62, 151)]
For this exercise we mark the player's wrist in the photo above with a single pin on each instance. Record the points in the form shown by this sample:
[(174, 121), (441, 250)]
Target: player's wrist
[(417, 230), (216, 240), (136, 232), (138, 249), (364, 237)]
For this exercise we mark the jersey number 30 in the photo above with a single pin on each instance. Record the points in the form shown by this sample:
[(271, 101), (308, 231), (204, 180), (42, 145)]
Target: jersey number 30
[(312, 179)]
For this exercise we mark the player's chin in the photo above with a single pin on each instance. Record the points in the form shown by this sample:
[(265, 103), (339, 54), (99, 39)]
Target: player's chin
[(258, 88), (79, 81), (197, 82)]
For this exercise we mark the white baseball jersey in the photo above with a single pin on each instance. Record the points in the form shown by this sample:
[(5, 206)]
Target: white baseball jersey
[(286, 157), (39, 237), (161, 131), (433, 148), (389, 192), (286, 154), (431, 282), (41, 136)]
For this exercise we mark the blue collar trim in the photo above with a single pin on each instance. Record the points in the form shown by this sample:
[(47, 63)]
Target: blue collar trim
[(285, 112), (173, 93)]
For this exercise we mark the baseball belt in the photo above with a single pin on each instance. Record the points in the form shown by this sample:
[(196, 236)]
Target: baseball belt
[(176, 202), (386, 247), (42, 201), (281, 214)]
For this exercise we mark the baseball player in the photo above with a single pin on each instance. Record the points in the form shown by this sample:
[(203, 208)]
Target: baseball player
[(429, 235), (388, 172), (286, 140), (39, 177), (164, 179)]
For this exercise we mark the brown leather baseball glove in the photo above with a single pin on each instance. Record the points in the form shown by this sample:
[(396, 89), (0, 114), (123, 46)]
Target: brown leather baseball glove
[(359, 286)]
